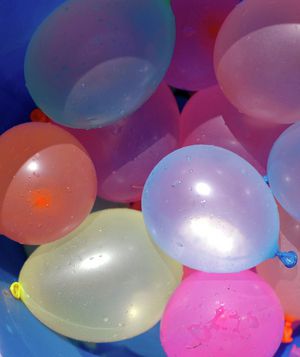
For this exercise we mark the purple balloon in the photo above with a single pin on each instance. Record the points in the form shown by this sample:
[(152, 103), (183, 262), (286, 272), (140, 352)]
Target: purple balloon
[(125, 153), (209, 118)]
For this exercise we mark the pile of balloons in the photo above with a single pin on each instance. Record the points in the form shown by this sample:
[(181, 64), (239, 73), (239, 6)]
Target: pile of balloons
[(149, 166)]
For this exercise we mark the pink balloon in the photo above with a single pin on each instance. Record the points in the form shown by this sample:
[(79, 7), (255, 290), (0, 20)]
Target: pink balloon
[(125, 153), (222, 315), (209, 118), (257, 56), (197, 25)]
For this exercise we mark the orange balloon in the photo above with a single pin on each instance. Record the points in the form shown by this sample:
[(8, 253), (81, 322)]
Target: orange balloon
[(47, 183)]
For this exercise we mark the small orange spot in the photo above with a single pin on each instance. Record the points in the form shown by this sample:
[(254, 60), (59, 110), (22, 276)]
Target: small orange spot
[(288, 329), (38, 116), (41, 199)]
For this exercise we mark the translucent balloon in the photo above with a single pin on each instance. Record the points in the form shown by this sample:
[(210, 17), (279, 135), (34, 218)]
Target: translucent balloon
[(256, 59), (210, 209), (105, 281), (197, 25), (286, 282), (284, 170), (208, 118), (222, 315), (125, 153), (92, 62), (47, 183)]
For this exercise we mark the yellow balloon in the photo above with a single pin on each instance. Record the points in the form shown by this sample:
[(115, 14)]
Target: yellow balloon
[(286, 282), (105, 281)]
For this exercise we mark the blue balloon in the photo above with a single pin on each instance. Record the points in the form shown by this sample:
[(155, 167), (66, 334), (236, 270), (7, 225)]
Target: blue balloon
[(284, 170), (210, 209), (19, 20)]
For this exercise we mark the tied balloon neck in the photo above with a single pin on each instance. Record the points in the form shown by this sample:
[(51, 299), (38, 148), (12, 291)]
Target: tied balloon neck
[(16, 290), (266, 179), (288, 259)]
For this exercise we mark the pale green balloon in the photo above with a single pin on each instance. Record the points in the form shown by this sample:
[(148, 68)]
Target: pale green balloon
[(105, 281)]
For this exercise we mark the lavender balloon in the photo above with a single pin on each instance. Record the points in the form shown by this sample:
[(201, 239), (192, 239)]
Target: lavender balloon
[(210, 209), (284, 170)]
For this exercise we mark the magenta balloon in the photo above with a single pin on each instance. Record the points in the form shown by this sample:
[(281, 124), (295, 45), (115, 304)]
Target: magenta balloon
[(257, 59), (208, 118), (125, 153), (197, 25), (222, 315)]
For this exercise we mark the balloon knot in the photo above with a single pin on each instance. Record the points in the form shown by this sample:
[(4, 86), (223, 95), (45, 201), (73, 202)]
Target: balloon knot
[(266, 179), (289, 259), (16, 290), (288, 330)]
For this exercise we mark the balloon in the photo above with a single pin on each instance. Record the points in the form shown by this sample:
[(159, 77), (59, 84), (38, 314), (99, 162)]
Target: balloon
[(47, 183), (285, 282), (208, 118), (197, 25), (103, 282), (284, 170), (210, 209), (92, 62), (125, 153), (222, 315), (256, 59)]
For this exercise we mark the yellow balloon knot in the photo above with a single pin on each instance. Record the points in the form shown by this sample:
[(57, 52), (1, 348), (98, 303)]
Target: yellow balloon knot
[(16, 290)]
